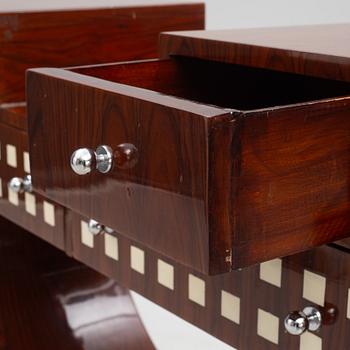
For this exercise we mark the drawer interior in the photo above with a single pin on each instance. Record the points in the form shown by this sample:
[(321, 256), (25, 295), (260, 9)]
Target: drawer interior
[(221, 84)]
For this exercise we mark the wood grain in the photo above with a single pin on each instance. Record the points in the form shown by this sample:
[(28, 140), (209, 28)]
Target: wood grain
[(14, 115), (161, 200), (314, 50), (72, 37), (35, 224), (238, 186), (291, 190)]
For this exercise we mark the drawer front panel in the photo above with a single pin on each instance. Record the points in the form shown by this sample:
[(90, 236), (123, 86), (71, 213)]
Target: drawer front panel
[(245, 308), (29, 210), (160, 197)]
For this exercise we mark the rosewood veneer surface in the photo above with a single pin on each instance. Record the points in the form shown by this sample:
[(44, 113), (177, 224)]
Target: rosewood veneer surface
[(316, 50), (49, 301), (127, 30)]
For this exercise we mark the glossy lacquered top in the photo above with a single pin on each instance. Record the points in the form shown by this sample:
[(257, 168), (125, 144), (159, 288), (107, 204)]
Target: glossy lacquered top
[(317, 50)]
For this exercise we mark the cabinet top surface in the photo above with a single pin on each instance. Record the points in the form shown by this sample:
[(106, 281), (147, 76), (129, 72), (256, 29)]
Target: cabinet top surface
[(293, 49), (41, 5)]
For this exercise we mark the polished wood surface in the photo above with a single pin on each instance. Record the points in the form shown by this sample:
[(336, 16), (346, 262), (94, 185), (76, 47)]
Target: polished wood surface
[(292, 186), (263, 175), (14, 115), (161, 200), (71, 37), (49, 301), (253, 292), (33, 222), (315, 50)]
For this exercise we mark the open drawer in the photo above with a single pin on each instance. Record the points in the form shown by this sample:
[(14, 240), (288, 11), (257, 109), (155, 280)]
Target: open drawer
[(218, 166)]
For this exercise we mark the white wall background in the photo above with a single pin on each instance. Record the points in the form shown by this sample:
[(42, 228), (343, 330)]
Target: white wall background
[(168, 331), (261, 13)]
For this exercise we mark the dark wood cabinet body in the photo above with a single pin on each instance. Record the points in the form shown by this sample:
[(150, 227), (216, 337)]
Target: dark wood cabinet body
[(83, 36)]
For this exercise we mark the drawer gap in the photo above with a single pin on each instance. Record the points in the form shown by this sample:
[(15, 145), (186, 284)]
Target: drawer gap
[(221, 84)]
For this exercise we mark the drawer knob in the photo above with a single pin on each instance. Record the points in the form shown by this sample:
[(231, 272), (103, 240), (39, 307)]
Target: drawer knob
[(19, 185), (96, 228), (297, 322), (84, 160)]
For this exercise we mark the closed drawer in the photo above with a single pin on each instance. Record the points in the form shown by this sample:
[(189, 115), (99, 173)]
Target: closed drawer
[(217, 166), (244, 308), (27, 209)]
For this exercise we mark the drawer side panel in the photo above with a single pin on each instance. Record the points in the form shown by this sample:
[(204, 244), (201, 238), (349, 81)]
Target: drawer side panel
[(293, 189)]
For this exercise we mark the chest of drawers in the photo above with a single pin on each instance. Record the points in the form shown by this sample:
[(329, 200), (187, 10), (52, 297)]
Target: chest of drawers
[(213, 174)]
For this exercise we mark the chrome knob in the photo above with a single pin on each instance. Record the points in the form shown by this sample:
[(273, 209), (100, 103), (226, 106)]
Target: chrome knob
[(84, 160), (20, 185), (297, 322), (96, 228)]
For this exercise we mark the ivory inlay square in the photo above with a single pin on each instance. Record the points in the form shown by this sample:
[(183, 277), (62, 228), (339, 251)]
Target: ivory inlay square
[(26, 162), (314, 288), (309, 341), (268, 326), (30, 204), (111, 246), (165, 274), (11, 155), (137, 259), (196, 290), (230, 306), (85, 235), (13, 197), (1, 188), (49, 213), (271, 272)]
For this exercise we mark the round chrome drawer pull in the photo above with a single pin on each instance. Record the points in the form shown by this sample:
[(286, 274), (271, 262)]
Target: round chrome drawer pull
[(297, 322), (96, 228), (19, 185), (84, 160)]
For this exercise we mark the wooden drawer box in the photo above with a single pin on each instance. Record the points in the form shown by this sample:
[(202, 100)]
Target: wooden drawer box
[(212, 165)]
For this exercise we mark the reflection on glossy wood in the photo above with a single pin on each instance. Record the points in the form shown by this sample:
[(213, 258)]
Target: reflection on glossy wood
[(72, 37), (49, 301)]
